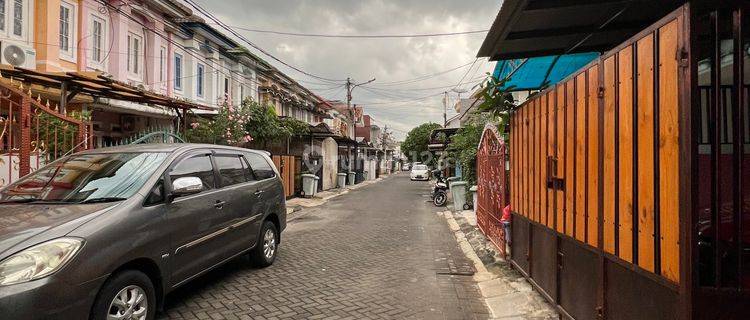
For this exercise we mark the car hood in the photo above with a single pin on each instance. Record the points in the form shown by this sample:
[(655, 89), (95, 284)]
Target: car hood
[(21, 223)]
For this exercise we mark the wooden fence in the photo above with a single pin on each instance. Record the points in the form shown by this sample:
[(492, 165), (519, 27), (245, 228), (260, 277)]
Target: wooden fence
[(596, 184), (287, 169)]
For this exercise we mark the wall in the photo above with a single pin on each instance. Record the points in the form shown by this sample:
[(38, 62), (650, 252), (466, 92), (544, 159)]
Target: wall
[(330, 151)]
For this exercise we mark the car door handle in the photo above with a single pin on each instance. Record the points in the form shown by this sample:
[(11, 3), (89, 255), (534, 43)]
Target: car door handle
[(219, 204), (258, 193)]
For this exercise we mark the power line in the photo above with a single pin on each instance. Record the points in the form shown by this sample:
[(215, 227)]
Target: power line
[(185, 50), (236, 34), (366, 36), (423, 77)]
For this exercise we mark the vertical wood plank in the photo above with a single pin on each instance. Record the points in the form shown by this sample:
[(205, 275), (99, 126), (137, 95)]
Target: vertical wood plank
[(645, 171), (513, 162), (569, 150), (525, 162), (534, 147), (592, 172), (560, 146), (609, 155), (669, 179), (625, 137), (550, 120), (542, 160), (580, 158)]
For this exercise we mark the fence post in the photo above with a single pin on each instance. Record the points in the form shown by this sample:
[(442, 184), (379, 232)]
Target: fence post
[(81, 137), (24, 152)]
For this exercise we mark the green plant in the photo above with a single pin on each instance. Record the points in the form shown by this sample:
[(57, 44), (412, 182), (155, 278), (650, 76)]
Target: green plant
[(415, 144), (497, 101), (227, 127), (58, 137)]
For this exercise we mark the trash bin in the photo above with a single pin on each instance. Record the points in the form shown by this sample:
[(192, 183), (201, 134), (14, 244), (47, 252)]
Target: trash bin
[(352, 177), (309, 185), (451, 180), (366, 175), (458, 190), (342, 179), (317, 183)]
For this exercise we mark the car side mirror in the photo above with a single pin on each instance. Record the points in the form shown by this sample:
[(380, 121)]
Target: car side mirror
[(186, 186)]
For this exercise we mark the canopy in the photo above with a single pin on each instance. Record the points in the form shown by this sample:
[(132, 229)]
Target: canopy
[(539, 72)]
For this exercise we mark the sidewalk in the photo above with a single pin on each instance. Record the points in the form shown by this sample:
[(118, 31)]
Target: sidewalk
[(506, 292), (296, 204)]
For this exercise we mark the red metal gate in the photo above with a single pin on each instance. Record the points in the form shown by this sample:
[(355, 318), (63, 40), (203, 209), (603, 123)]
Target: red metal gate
[(491, 186), (33, 134)]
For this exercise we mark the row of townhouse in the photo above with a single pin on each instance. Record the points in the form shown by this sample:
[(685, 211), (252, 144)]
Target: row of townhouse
[(156, 45), (162, 47)]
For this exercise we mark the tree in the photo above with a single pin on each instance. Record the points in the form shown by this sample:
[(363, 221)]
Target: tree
[(415, 144)]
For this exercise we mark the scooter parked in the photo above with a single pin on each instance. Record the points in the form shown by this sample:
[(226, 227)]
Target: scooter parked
[(440, 189)]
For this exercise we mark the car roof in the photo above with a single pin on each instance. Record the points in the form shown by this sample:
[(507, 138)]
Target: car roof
[(164, 147)]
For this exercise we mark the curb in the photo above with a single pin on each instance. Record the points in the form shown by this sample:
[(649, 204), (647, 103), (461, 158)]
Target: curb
[(503, 298)]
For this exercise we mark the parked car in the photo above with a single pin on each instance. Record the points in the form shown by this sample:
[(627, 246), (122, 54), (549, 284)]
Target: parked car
[(420, 172), (105, 234)]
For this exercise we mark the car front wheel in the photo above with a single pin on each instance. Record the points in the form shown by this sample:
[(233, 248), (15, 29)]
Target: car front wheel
[(264, 253), (126, 295)]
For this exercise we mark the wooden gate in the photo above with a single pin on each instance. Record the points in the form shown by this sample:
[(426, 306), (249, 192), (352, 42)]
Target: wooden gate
[(286, 166), (33, 134), (491, 157)]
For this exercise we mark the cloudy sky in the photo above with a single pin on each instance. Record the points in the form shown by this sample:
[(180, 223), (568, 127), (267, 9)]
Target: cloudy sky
[(411, 73)]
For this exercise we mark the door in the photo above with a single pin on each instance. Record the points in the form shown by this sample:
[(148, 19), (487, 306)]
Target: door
[(197, 222), (269, 191), (721, 153), (242, 193)]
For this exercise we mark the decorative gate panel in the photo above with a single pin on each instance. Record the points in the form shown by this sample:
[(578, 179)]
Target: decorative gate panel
[(33, 134), (491, 186)]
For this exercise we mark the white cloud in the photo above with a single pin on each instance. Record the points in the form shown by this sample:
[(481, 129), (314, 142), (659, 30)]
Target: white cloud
[(388, 60)]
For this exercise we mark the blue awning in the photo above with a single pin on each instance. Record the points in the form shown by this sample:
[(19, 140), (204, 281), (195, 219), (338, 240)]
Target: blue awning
[(539, 72)]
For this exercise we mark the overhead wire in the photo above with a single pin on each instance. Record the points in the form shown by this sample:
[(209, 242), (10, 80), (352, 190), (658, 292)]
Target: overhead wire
[(236, 34)]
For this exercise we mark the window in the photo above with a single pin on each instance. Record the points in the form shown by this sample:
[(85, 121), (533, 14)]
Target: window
[(242, 93), (162, 63), (261, 169), (66, 23), (200, 78), (156, 195), (97, 39), (199, 167), (18, 17), (2, 15), (134, 54), (226, 85), (231, 170), (177, 71)]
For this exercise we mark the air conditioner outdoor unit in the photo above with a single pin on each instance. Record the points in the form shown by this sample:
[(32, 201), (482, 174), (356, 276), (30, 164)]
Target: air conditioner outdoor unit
[(17, 55)]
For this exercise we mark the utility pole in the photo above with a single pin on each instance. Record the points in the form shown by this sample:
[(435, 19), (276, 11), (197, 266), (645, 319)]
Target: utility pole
[(445, 109), (350, 85)]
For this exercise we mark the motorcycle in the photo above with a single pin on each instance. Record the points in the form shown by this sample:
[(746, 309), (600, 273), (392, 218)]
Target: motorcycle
[(440, 189)]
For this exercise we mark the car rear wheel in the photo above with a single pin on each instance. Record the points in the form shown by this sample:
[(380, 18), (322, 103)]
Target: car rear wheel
[(126, 295), (265, 251)]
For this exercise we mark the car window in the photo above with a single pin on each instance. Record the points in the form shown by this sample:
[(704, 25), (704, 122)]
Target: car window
[(156, 195), (230, 168), (87, 177), (260, 166), (420, 167), (197, 166)]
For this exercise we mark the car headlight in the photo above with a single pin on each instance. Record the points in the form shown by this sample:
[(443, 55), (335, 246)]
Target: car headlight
[(38, 261)]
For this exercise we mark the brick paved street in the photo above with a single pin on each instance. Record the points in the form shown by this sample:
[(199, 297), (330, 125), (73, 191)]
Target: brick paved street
[(379, 252)]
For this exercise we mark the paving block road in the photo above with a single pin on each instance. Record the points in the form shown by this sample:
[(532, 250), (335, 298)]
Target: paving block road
[(378, 252)]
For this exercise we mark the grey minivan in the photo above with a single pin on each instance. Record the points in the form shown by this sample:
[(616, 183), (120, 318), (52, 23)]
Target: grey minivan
[(106, 233)]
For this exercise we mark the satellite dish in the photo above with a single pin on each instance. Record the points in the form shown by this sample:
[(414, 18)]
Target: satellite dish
[(14, 55)]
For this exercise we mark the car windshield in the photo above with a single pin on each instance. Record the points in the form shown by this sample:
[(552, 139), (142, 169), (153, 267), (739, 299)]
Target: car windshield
[(86, 178), (420, 167)]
